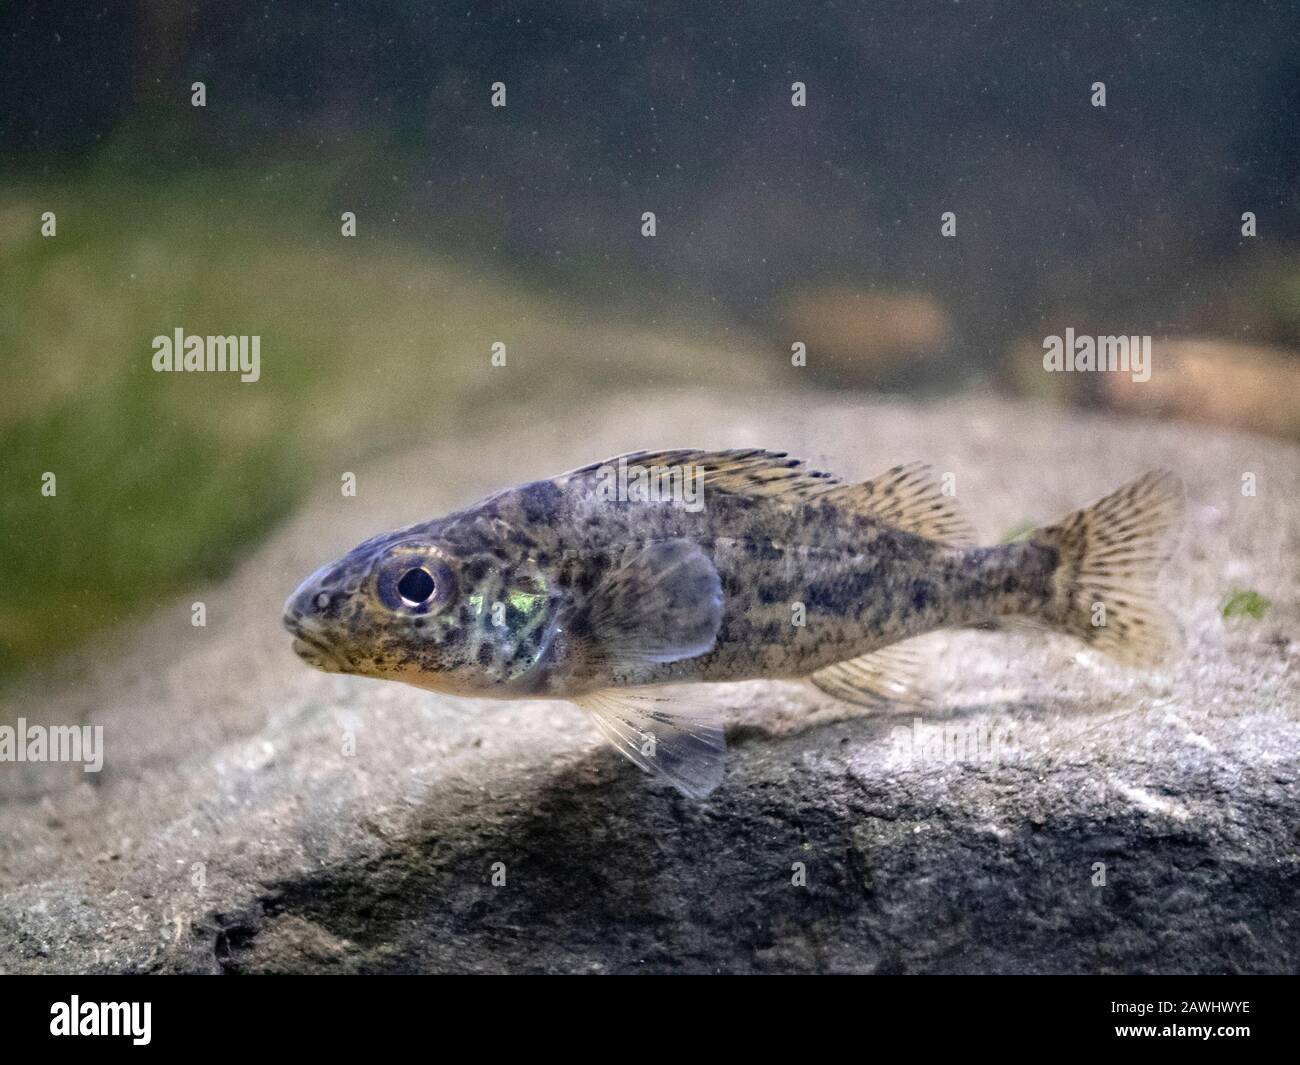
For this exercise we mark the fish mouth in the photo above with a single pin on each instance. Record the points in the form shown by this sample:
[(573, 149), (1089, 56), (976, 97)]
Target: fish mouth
[(312, 649), (313, 656)]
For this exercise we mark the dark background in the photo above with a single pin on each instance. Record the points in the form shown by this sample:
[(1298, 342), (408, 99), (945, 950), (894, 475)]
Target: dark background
[(1131, 211)]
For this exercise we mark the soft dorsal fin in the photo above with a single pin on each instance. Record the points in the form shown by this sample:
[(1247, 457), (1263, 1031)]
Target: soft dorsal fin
[(740, 471), (890, 674), (909, 498)]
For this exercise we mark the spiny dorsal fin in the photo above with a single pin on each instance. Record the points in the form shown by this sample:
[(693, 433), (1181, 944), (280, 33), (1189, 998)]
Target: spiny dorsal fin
[(888, 675), (740, 471), (909, 498)]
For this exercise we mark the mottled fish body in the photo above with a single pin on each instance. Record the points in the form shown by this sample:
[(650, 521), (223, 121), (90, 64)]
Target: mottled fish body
[(595, 587)]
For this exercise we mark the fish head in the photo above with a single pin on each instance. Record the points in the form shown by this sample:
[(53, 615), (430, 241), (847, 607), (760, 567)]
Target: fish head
[(419, 607)]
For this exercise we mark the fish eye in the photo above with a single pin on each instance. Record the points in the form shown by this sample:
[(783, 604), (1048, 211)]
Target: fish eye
[(415, 579), (416, 586)]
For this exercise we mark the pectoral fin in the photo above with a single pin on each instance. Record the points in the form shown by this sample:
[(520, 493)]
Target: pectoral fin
[(663, 605), (680, 741)]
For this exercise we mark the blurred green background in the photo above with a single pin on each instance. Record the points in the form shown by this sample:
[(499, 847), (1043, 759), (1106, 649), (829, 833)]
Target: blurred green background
[(522, 225), (164, 480)]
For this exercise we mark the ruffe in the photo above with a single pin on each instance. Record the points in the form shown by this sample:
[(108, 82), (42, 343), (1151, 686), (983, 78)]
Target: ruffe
[(564, 589)]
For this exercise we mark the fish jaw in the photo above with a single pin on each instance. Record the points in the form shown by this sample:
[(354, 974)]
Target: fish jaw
[(302, 616), (316, 657)]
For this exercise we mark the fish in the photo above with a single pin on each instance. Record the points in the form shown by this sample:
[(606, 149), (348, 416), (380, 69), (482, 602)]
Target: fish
[(626, 586)]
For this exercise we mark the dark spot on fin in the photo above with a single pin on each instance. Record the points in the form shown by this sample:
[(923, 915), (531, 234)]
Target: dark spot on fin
[(679, 740), (663, 605)]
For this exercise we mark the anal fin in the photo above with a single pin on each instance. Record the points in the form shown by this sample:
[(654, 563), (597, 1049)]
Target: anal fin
[(888, 675), (678, 739)]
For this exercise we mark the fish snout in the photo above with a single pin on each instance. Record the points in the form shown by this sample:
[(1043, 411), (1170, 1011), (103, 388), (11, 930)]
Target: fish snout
[(303, 603), (307, 615)]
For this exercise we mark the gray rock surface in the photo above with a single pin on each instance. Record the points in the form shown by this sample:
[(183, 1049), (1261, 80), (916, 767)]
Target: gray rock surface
[(256, 816)]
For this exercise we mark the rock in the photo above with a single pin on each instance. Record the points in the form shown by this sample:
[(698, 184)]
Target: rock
[(862, 338), (1067, 816), (1216, 382), (1240, 386)]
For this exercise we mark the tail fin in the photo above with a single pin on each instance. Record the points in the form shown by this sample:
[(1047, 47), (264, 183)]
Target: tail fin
[(1104, 586)]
